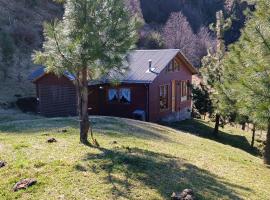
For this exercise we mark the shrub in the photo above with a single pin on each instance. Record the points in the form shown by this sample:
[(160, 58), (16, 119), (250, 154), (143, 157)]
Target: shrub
[(31, 3), (24, 34), (153, 40), (7, 52), (28, 104)]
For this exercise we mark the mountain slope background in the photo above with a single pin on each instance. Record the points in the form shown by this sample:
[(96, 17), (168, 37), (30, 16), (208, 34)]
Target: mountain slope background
[(21, 33)]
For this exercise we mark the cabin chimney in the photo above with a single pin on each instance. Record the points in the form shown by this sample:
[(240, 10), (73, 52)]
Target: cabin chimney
[(150, 65)]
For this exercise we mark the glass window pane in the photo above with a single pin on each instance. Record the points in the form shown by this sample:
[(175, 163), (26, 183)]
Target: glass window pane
[(112, 95), (164, 97), (125, 95)]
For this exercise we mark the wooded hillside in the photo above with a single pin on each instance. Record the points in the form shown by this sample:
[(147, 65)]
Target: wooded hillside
[(21, 33)]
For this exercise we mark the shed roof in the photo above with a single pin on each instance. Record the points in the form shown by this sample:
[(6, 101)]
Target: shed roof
[(138, 63), (40, 72)]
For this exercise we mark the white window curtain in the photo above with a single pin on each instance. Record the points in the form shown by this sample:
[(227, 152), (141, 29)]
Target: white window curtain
[(125, 95), (113, 96)]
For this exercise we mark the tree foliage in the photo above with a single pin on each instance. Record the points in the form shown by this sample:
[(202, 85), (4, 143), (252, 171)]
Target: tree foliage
[(92, 33), (7, 50), (92, 39), (177, 33), (247, 70), (201, 99), (151, 40), (212, 70)]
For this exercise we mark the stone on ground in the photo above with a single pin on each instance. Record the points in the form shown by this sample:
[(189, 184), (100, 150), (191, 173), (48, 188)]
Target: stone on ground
[(51, 140), (24, 184), (2, 164), (186, 194)]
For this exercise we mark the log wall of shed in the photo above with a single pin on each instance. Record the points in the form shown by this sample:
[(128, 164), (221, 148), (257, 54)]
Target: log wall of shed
[(57, 96)]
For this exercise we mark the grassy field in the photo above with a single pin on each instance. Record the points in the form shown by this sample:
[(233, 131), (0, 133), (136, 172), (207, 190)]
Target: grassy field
[(136, 160)]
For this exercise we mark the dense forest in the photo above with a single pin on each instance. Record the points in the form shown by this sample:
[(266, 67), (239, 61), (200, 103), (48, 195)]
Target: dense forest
[(21, 32)]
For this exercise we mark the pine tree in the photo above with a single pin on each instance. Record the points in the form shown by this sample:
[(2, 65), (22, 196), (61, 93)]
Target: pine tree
[(201, 100), (247, 70), (7, 49), (212, 70), (92, 39)]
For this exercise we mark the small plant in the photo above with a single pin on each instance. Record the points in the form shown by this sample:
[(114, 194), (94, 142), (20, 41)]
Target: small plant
[(39, 164)]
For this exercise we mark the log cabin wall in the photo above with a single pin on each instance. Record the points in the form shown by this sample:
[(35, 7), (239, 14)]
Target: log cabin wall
[(175, 105), (99, 103), (57, 96)]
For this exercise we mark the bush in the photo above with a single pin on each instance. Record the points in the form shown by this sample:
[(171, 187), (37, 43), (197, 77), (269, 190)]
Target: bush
[(31, 3), (152, 41), (28, 104), (24, 34), (7, 50)]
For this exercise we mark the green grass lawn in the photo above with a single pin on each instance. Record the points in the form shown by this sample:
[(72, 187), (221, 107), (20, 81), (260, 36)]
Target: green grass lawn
[(136, 160)]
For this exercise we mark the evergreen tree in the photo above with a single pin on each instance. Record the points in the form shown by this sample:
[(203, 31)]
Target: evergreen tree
[(92, 39), (201, 100), (247, 70), (212, 70), (7, 48)]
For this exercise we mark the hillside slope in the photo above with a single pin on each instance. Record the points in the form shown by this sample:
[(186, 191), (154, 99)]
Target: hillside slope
[(136, 160), (21, 23), (21, 33)]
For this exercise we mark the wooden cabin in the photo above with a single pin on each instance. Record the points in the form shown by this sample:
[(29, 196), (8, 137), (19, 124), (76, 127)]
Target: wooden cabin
[(156, 87)]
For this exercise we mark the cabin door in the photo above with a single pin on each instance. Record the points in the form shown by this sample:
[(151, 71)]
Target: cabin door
[(176, 95)]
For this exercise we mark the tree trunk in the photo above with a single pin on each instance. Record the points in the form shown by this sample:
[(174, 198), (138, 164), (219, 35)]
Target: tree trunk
[(253, 136), (267, 146), (83, 106), (215, 133), (243, 126)]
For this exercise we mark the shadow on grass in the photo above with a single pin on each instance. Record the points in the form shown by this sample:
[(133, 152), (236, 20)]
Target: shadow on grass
[(37, 125), (110, 126), (196, 127), (121, 127), (155, 171)]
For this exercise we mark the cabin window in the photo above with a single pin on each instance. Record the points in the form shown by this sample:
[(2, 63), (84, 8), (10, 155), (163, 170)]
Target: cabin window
[(189, 90), (185, 91), (164, 97), (170, 67), (112, 95), (173, 66), (176, 65), (122, 95)]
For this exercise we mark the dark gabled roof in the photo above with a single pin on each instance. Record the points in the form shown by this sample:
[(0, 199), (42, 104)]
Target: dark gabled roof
[(138, 64), (40, 72)]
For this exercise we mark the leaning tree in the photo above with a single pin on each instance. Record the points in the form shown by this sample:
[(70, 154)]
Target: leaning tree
[(92, 39)]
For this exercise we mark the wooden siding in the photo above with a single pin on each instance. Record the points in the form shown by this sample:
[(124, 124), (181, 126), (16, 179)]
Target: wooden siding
[(57, 96), (99, 104), (165, 77)]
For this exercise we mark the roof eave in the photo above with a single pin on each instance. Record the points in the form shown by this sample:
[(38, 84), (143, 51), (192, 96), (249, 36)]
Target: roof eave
[(122, 82), (69, 77), (192, 69)]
